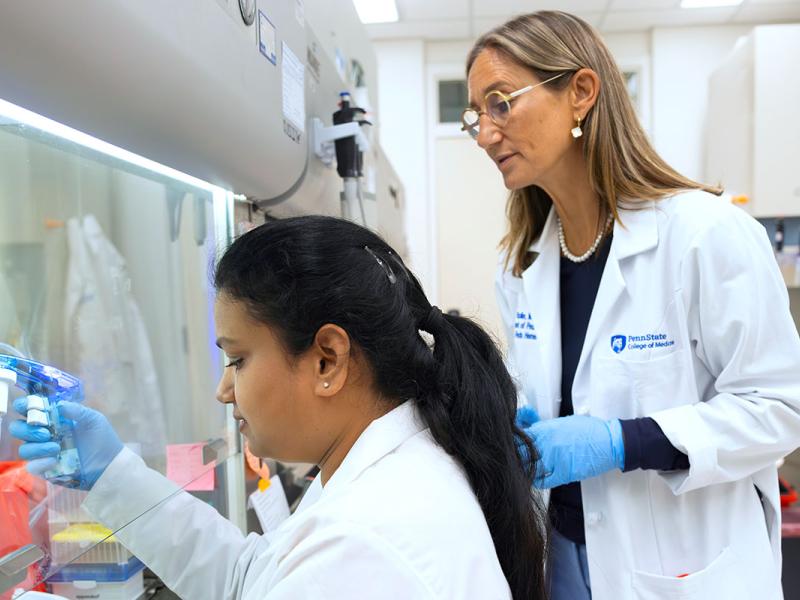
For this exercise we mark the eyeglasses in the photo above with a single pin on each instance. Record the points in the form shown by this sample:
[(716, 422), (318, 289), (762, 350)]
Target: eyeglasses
[(498, 107)]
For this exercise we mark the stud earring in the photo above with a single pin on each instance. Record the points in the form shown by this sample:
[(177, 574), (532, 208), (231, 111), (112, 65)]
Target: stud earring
[(326, 384), (577, 131)]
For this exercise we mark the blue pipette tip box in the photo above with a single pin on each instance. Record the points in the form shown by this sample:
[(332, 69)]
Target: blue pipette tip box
[(103, 573)]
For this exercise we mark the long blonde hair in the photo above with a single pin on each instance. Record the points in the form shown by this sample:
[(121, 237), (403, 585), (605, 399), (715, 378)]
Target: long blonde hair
[(622, 163)]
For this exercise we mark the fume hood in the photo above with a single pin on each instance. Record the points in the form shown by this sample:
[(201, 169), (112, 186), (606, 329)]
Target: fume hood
[(134, 136)]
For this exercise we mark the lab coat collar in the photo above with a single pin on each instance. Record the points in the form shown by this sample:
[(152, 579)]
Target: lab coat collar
[(381, 437), (540, 283), (638, 233), (639, 230)]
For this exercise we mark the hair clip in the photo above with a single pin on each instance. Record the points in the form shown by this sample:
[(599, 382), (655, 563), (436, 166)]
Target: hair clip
[(384, 266)]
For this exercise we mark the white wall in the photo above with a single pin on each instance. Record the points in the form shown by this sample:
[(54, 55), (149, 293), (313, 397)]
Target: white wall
[(468, 202), (452, 52), (632, 53), (470, 199), (402, 123), (682, 61)]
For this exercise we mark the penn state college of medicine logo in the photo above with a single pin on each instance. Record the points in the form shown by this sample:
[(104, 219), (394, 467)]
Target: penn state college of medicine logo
[(618, 343)]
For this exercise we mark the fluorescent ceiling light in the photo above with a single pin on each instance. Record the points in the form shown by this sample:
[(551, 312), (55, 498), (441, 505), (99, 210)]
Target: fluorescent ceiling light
[(11, 114), (376, 11), (709, 3)]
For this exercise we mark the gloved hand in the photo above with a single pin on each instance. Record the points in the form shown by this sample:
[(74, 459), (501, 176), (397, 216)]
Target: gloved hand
[(95, 439), (575, 448), (526, 416)]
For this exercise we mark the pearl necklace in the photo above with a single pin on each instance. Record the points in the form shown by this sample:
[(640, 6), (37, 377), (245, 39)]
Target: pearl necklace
[(579, 259)]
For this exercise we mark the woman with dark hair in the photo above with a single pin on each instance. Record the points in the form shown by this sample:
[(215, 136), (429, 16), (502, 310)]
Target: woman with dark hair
[(421, 491)]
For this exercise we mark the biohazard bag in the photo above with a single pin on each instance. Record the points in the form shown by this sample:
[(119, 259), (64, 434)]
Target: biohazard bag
[(19, 490)]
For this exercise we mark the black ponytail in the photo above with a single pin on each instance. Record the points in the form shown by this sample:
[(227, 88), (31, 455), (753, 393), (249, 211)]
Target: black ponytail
[(299, 274)]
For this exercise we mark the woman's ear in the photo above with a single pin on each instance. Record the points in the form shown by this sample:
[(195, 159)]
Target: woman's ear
[(332, 354), (584, 88)]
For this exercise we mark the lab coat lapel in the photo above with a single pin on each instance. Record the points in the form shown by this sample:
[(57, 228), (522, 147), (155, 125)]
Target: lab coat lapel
[(638, 234), (541, 284)]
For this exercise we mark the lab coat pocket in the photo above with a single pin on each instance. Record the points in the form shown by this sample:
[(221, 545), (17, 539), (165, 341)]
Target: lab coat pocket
[(720, 579), (662, 382), (627, 389)]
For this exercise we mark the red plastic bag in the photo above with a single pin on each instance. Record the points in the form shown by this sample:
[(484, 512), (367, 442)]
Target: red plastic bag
[(788, 493), (18, 489)]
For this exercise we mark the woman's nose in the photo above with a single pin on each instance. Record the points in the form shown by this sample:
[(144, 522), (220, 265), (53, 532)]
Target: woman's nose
[(488, 133), (225, 388)]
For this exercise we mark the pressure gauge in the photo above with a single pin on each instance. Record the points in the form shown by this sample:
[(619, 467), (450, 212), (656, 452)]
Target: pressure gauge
[(248, 10)]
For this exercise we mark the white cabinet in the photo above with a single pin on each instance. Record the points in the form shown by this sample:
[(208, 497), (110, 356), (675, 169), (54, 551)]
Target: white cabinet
[(753, 133)]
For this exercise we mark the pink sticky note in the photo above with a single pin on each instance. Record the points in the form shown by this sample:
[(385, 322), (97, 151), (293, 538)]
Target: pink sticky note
[(185, 467)]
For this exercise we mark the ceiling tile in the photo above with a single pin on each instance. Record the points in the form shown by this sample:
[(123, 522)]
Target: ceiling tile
[(481, 25), (641, 20), (455, 29), (593, 18), (642, 4), (768, 13), (420, 10), (508, 8), (449, 19), (759, 2)]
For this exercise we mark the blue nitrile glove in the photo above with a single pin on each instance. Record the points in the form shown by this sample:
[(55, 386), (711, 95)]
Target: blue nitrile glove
[(575, 448), (95, 439), (526, 416)]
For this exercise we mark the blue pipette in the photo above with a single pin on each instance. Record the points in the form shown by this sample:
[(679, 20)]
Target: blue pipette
[(45, 387)]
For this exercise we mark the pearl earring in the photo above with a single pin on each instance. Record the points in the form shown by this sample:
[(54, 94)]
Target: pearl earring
[(326, 384), (577, 131)]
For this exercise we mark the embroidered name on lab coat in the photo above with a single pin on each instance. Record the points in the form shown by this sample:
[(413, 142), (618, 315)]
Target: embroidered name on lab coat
[(648, 341), (523, 326)]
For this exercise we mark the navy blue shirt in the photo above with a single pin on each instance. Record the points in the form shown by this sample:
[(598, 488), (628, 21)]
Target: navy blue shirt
[(646, 446)]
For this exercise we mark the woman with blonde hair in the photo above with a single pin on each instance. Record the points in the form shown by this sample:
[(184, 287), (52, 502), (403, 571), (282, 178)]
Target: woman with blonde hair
[(648, 326)]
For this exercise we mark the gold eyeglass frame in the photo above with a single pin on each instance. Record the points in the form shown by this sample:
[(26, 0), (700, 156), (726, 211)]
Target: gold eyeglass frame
[(507, 98)]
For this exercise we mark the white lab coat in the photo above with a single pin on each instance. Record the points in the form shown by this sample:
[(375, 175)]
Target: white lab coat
[(721, 378), (397, 520), (106, 342)]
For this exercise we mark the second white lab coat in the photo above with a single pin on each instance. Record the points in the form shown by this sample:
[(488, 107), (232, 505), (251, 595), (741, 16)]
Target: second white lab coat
[(691, 326), (397, 520), (106, 342)]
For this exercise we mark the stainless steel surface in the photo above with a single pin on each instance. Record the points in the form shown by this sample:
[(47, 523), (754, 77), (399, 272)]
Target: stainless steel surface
[(14, 566)]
